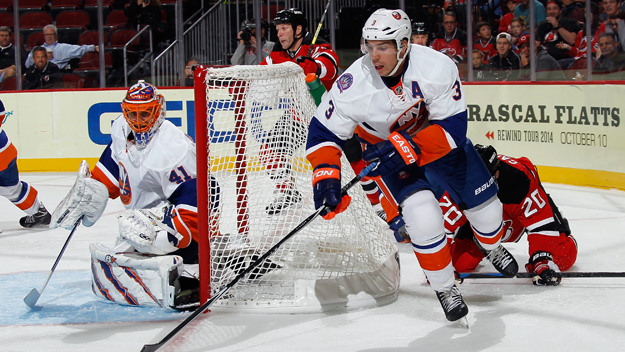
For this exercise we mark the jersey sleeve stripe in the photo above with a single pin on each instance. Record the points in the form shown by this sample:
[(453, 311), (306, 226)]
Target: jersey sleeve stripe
[(538, 224), (101, 174), (8, 152), (185, 222), (433, 143), (328, 154), (455, 126)]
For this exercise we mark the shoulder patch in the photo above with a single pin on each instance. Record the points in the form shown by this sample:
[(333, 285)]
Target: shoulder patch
[(344, 82)]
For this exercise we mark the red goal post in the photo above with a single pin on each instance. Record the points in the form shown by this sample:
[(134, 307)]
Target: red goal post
[(251, 128)]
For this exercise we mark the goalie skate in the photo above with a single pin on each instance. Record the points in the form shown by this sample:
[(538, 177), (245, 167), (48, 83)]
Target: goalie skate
[(283, 200), (39, 219), (452, 303)]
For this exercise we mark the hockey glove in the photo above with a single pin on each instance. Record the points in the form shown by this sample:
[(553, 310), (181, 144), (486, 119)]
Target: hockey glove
[(399, 229), (394, 154), (547, 272), (327, 190), (309, 65)]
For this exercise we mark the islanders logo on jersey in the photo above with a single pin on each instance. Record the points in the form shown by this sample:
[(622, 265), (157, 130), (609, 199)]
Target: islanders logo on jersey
[(125, 191), (344, 82), (412, 119)]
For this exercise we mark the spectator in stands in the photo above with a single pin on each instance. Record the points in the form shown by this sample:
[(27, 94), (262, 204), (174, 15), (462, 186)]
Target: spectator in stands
[(453, 40), (611, 58), (576, 9), (7, 54), (610, 7), (188, 73), (62, 53), (485, 41), (504, 22), (616, 24), (246, 49), (523, 11), (557, 29), (480, 70), (517, 30), (505, 65), (420, 34), (145, 12), (43, 74), (547, 68)]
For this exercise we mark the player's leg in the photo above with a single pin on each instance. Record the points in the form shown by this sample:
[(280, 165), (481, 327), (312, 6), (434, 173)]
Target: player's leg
[(22, 195), (424, 224), (465, 255), (464, 176), (275, 155)]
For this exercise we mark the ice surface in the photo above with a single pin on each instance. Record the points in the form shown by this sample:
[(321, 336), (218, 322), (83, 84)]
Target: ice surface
[(582, 314)]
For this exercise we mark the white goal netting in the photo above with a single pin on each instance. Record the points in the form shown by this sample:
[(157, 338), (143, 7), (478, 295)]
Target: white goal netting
[(256, 129)]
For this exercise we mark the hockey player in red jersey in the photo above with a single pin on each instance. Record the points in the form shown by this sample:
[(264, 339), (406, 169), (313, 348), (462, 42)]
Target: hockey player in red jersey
[(527, 208), (407, 105), (20, 193), (295, 44)]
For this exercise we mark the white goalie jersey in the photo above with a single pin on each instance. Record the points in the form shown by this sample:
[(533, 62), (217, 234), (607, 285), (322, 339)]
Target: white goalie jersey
[(143, 178)]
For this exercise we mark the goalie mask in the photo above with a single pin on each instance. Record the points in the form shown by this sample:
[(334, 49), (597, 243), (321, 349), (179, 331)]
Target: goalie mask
[(144, 110), (393, 25)]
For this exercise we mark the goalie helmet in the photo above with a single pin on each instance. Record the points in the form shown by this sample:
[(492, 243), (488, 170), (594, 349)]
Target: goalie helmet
[(144, 110), (489, 156), (391, 25)]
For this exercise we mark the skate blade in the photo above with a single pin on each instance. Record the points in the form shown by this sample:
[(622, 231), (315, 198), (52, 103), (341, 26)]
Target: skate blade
[(462, 323)]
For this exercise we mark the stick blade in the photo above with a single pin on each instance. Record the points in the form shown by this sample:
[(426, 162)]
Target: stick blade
[(32, 297), (152, 347)]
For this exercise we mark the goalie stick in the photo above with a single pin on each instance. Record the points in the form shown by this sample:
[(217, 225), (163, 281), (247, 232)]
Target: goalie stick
[(33, 296), (531, 275), (257, 262)]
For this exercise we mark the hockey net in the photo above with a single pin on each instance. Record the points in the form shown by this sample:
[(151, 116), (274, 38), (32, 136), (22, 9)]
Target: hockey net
[(251, 129)]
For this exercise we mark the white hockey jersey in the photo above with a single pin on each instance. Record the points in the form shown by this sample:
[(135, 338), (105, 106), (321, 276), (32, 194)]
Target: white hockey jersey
[(429, 93), (145, 178)]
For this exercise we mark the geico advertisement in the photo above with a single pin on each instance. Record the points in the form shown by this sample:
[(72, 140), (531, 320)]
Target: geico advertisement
[(556, 125)]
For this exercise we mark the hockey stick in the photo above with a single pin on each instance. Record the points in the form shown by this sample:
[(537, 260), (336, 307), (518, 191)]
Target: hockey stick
[(531, 275), (312, 44), (33, 296), (257, 262)]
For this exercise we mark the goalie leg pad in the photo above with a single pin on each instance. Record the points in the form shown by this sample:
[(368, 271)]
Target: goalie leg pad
[(87, 197), (134, 279)]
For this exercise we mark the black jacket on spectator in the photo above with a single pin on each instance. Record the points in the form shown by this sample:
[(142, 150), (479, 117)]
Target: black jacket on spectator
[(506, 68), (139, 16), (49, 77), (551, 37), (7, 56), (547, 68)]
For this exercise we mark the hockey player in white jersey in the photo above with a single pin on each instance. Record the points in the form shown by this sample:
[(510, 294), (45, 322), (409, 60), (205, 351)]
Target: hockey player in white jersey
[(151, 166), (406, 104)]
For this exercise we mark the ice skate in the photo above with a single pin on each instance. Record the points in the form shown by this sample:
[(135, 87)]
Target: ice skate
[(453, 304), (39, 219), (501, 259), (283, 199)]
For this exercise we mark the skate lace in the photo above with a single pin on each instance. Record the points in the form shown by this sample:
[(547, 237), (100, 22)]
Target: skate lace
[(500, 257), (450, 299)]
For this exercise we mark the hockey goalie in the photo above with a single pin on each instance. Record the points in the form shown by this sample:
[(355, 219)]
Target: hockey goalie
[(151, 166)]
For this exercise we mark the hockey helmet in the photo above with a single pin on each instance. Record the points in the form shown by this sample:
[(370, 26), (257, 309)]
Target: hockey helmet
[(391, 25), (293, 16), (144, 110), (420, 28), (489, 157)]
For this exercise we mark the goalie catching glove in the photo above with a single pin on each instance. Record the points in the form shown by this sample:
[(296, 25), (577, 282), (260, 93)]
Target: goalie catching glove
[(87, 197), (547, 272), (147, 230), (394, 154), (327, 190)]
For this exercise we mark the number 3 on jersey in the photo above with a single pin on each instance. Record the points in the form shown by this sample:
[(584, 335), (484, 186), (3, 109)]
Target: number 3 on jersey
[(178, 179)]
